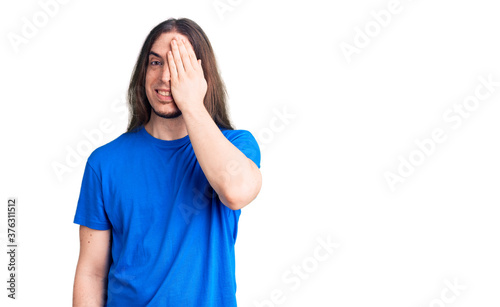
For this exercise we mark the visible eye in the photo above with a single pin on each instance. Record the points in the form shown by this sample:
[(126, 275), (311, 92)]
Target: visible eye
[(155, 63)]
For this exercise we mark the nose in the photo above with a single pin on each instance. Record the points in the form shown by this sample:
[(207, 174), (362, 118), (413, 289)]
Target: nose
[(165, 73)]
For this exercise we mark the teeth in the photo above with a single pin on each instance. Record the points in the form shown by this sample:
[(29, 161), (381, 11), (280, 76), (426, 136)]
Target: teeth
[(164, 93)]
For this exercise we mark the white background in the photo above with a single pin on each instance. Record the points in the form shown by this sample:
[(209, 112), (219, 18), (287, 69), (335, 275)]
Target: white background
[(323, 165)]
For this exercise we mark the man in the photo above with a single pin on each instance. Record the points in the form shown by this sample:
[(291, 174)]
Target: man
[(159, 206)]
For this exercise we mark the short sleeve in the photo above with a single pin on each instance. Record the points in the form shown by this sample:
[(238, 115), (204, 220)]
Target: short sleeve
[(90, 208), (247, 144)]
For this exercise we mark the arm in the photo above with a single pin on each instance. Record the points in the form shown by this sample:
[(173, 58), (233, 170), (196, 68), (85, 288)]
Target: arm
[(233, 176), (91, 276)]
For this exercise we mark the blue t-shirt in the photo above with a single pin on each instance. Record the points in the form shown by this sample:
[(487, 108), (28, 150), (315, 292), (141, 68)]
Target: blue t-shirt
[(172, 238)]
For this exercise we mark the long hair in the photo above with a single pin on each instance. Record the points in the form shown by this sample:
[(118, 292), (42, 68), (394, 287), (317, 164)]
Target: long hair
[(215, 98)]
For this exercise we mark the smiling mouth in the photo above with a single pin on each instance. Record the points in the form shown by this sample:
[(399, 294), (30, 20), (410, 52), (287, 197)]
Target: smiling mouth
[(164, 95)]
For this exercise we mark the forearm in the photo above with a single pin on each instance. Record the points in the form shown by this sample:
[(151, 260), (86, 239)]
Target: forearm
[(234, 177), (89, 290)]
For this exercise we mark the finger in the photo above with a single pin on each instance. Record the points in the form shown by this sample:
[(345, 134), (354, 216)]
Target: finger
[(192, 55), (171, 65), (201, 68), (183, 50), (177, 58)]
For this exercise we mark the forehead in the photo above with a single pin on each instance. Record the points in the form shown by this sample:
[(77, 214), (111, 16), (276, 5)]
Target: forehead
[(162, 43)]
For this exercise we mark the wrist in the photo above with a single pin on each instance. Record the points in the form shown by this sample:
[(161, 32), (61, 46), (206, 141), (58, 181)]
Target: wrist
[(195, 111)]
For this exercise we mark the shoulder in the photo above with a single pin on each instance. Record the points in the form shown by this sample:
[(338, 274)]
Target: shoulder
[(113, 149), (237, 134), (245, 142)]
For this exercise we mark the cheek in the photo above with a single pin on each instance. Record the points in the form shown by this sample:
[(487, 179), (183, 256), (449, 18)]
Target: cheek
[(150, 78)]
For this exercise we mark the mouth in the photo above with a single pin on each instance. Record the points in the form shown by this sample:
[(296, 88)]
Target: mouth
[(164, 95)]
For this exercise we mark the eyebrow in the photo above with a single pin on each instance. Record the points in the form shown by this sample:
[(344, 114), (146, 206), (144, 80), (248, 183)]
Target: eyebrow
[(155, 54)]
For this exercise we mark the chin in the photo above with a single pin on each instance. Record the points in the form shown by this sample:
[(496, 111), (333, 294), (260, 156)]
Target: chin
[(167, 111)]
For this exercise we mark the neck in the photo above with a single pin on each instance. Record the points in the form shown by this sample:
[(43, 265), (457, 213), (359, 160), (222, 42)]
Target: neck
[(166, 128)]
